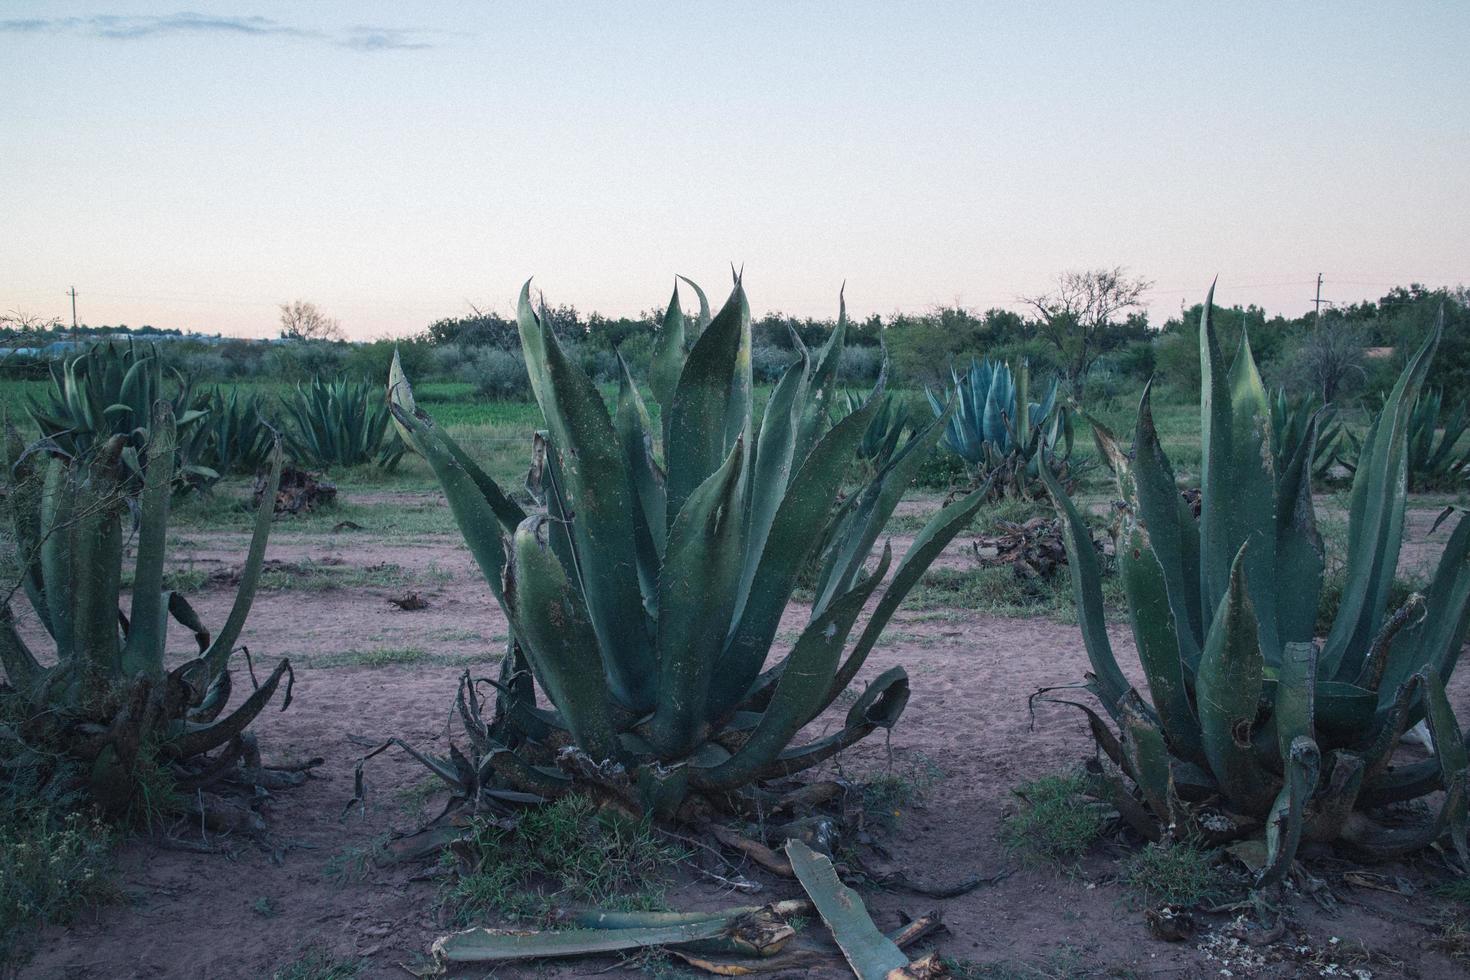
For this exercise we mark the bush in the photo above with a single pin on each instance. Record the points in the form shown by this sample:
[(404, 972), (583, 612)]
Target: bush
[(496, 373), (859, 363), (49, 871), (767, 363), (301, 360)]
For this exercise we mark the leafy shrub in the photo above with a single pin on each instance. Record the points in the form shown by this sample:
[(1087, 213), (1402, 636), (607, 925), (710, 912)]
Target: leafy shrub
[(495, 373), (859, 363), (768, 363), (49, 871)]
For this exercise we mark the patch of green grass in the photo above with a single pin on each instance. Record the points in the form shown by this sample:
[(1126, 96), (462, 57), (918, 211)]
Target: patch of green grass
[(318, 964), (1055, 819), (50, 869), (185, 579), (266, 907), (1177, 873), (568, 851), (384, 657), (315, 576)]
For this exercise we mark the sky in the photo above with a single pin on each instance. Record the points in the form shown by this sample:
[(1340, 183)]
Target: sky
[(195, 166)]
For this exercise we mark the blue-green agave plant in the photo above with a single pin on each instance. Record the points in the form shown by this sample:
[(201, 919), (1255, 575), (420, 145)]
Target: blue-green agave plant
[(1284, 734), (983, 428), (645, 599)]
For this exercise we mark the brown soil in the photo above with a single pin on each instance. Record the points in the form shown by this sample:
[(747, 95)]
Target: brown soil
[(192, 915)]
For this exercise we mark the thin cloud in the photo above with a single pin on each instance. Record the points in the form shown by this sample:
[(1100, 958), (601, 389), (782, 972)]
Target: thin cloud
[(358, 37)]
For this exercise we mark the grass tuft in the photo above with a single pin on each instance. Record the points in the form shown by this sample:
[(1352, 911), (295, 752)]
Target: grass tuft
[(318, 964), (1055, 820), (1177, 873), (568, 851)]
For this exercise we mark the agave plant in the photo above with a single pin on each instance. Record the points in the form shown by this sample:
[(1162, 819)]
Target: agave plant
[(646, 599), (109, 702), (1281, 732), (881, 438), (1436, 458), (234, 435), (339, 423), (983, 430), (110, 390), (1291, 420)]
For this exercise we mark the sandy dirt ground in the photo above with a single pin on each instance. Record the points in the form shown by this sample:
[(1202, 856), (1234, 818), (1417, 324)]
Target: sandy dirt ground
[(195, 915)]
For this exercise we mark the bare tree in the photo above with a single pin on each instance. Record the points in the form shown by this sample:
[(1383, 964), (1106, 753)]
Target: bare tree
[(1330, 359), (1073, 317), (28, 322), (304, 321)]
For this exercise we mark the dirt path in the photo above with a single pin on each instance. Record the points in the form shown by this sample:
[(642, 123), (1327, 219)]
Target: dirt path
[(195, 915)]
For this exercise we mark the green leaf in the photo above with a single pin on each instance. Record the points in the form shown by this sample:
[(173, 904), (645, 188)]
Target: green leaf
[(668, 361), (1303, 764), (1228, 690), (708, 412), (1172, 534), (872, 955), (555, 629), (1376, 521), (218, 655), (1296, 689), (1454, 761), (598, 497), (790, 543), (696, 600), (1087, 593), (143, 652), (805, 678)]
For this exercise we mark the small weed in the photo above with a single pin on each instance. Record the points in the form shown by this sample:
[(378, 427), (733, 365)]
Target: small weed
[(412, 798), (887, 794), (1177, 873), (318, 964), (567, 851), (266, 908), (1055, 819), (49, 871), (351, 864)]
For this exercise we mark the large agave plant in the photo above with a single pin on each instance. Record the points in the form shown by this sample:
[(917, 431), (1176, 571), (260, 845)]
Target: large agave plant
[(646, 599), (110, 390), (108, 701), (1292, 421), (339, 423), (983, 429), (1437, 455), (234, 435), (1281, 732)]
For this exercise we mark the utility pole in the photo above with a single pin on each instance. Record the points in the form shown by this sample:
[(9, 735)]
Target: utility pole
[(73, 294), (1318, 301)]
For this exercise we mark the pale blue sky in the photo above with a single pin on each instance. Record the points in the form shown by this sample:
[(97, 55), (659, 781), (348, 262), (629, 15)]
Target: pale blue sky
[(195, 166)]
